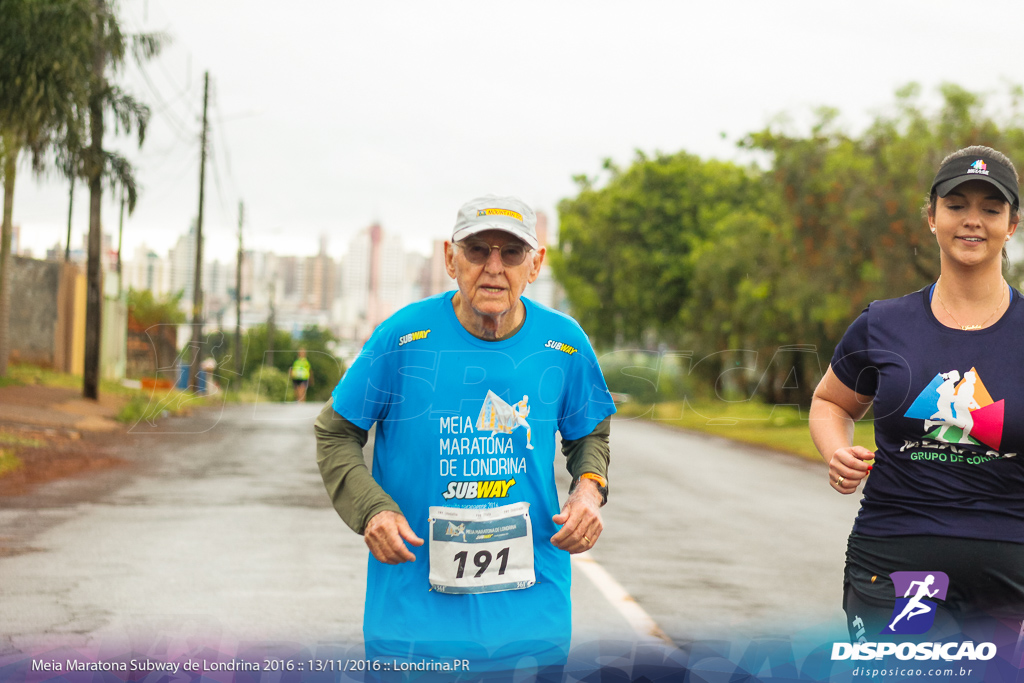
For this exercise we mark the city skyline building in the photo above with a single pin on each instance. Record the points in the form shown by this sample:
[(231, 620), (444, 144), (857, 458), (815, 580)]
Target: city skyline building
[(378, 277), (350, 296), (437, 274), (542, 290), (147, 271)]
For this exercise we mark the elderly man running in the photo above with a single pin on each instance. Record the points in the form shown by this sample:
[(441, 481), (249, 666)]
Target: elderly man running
[(470, 552)]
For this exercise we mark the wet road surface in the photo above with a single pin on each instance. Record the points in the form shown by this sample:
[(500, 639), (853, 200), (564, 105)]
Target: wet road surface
[(221, 531), (715, 538)]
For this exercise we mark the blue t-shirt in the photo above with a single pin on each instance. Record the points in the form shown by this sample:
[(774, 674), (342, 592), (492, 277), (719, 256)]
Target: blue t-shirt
[(429, 385), (949, 420)]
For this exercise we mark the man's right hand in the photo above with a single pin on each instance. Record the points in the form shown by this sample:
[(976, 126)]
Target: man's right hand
[(385, 536)]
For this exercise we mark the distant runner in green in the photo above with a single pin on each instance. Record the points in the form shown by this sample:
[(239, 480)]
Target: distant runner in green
[(300, 376)]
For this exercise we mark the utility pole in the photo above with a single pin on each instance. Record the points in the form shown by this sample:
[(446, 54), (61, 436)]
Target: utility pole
[(271, 325), (238, 295), (197, 287), (71, 204), (120, 235)]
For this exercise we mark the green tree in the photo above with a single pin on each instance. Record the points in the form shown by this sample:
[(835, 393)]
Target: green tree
[(624, 247), (734, 264), (325, 368), (44, 60), (149, 310), (852, 204), (738, 313)]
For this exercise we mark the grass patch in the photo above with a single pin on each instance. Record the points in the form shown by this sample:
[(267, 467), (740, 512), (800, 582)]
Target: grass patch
[(136, 409), (782, 428), (140, 404), (151, 407), (28, 375), (14, 440), (9, 462), (172, 400)]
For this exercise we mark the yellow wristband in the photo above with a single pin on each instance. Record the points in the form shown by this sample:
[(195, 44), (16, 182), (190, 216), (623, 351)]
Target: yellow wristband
[(601, 482)]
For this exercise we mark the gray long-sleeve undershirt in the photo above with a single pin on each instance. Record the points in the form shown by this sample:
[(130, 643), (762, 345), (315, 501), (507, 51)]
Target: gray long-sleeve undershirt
[(356, 495)]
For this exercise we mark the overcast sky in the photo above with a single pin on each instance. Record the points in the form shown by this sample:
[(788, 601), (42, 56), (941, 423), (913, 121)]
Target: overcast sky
[(327, 116)]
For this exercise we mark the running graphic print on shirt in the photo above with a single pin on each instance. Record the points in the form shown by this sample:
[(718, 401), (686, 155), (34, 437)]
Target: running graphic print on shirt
[(499, 416), (959, 410), (484, 456)]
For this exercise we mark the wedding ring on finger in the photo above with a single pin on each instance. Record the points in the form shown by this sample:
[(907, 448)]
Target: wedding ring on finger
[(839, 481), (586, 541)]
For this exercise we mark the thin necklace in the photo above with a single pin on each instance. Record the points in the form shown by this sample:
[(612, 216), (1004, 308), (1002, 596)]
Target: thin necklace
[(969, 327)]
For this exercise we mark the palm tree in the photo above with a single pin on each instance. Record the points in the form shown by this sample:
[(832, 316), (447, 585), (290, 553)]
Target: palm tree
[(128, 114), (44, 60)]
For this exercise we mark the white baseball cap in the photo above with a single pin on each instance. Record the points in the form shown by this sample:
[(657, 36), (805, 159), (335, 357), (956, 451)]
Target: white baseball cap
[(508, 214)]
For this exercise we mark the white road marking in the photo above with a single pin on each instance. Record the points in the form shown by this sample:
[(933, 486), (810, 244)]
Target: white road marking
[(632, 612)]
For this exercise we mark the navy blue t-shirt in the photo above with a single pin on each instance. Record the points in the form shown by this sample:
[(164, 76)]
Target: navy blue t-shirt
[(949, 420)]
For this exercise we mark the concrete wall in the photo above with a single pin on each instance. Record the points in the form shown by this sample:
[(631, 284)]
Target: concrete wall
[(35, 289), (114, 339), (114, 331), (48, 318), (71, 333)]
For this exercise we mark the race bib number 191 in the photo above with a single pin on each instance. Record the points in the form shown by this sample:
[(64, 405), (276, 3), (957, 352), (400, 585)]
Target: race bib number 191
[(481, 550)]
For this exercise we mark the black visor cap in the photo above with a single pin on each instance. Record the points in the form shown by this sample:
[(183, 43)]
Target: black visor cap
[(962, 169)]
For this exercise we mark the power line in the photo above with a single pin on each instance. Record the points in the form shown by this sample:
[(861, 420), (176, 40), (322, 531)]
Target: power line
[(181, 91), (221, 133), (158, 156), (175, 99), (219, 155), (179, 177), (217, 183), (187, 88), (178, 128)]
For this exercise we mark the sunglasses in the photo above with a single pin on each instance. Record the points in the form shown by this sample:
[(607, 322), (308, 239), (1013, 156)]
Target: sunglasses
[(478, 251)]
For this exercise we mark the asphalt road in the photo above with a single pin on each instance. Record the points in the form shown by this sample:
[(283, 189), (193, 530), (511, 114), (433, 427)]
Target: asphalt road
[(715, 538), (220, 531)]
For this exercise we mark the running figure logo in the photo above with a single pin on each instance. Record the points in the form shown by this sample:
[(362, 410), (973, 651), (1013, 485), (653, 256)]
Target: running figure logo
[(914, 612), (499, 417), (522, 409), (959, 410), (459, 530)]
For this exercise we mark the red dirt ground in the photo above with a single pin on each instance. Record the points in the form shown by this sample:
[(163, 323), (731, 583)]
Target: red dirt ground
[(74, 435)]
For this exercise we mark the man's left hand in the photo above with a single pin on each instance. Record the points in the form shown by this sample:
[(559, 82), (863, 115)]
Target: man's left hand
[(580, 519)]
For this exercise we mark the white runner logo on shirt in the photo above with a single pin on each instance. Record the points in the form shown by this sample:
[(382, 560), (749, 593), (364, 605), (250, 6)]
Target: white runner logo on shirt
[(499, 417), (958, 409)]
